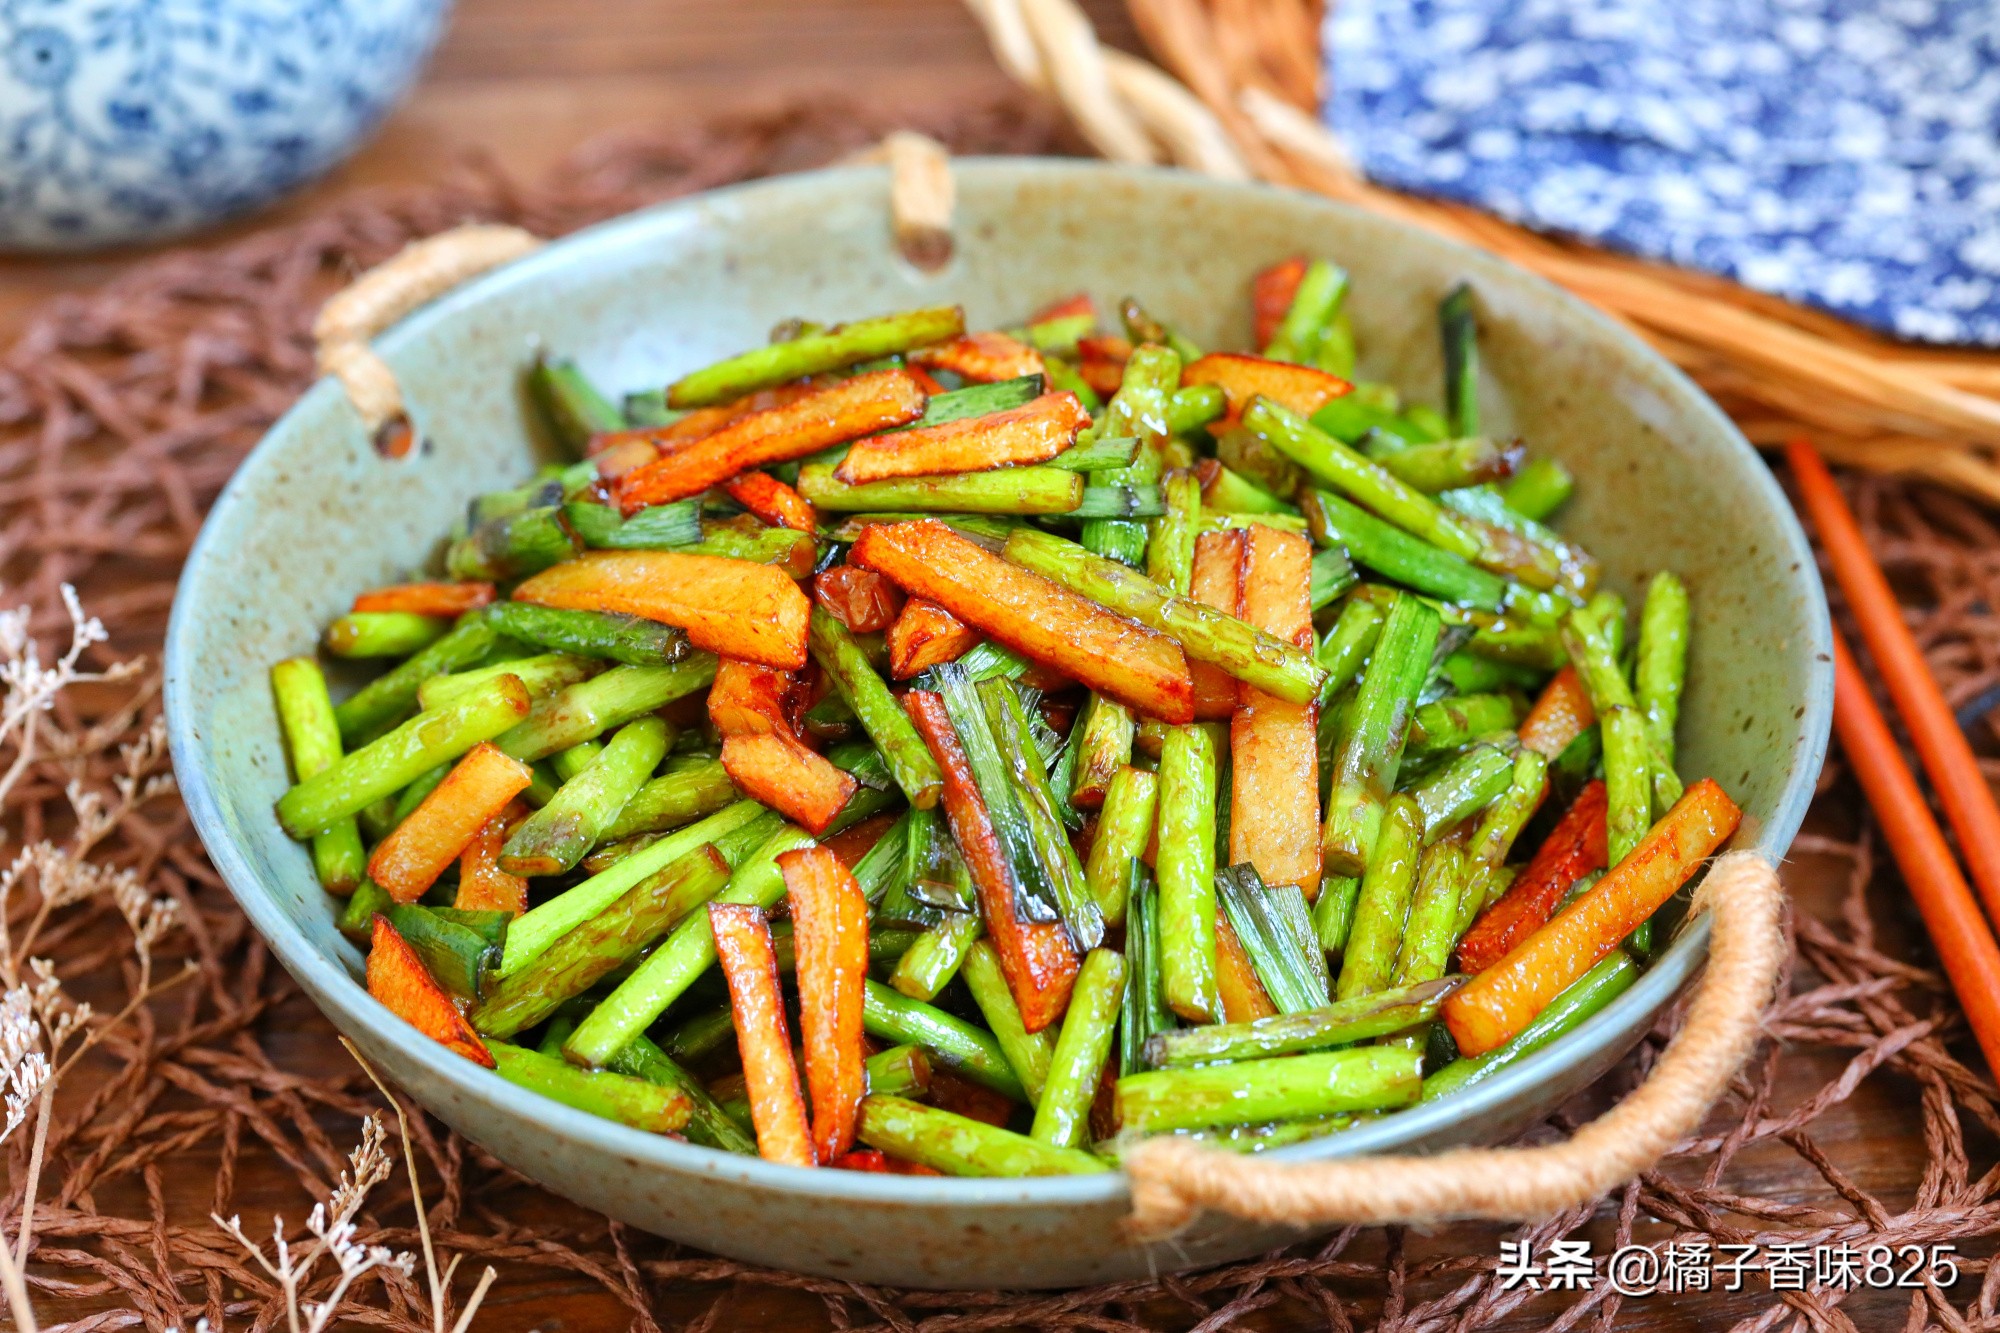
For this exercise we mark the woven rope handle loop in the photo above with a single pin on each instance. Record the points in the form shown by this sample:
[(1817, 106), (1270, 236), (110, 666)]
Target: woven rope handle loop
[(1172, 1180), (922, 196), (421, 271)]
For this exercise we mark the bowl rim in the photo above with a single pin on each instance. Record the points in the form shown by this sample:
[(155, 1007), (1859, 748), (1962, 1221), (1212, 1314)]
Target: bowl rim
[(325, 976)]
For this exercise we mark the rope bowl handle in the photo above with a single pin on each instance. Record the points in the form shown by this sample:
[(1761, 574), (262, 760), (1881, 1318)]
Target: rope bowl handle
[(1173, 1180), (420, 272)]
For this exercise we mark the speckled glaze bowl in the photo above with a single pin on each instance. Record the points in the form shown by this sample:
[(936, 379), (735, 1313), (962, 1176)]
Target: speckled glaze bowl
[(315, 515)]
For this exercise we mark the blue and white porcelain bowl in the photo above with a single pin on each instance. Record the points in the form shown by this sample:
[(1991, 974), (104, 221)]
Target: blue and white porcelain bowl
[(131, 120)]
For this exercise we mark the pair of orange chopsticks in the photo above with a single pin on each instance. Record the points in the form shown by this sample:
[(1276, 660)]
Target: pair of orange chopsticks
[(1964, 940)]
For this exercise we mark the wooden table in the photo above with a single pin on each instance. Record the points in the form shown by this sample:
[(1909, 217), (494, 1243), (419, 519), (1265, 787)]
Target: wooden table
[(523, 81)]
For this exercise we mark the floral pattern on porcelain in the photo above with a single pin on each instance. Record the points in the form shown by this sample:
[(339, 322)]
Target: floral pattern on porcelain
[(126, 120), (1843, 153)]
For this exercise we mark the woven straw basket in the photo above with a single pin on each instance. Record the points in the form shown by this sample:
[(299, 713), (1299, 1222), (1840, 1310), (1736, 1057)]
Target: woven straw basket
[(1242, 100)]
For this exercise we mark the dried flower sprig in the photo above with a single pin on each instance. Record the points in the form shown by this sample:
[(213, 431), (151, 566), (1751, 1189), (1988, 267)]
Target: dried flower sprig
[(43, 1030), (331, 1224)]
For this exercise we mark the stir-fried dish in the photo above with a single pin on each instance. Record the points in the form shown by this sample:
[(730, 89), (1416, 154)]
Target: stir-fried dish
[(906, 749)]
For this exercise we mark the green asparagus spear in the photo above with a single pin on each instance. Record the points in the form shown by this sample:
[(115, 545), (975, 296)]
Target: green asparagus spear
[(571, 404), (811, 354), (1460, 720), (1342, 1023), (1066, 378), (543, 675), (707, 1125), (629, 1101), (1562, 564), (626, 639), (684, 955), (389, 696), (745, 539), (936, 956), (882, 717), (1469, 673), (599, 946), (1461, 360), (654, 528), (1245, 454), (1462, 788), (1321, 293), (1383, 906), (568, 763), (392, 762), (357, 914), (590, 708), (1585, 997), (1370, 754), (1028, 1054), (1372, 407), (1431, 932), (1366, 1078), (1011, 490), (1142, 328), (1332, 574), (1208, 635), (959, 1146), (1123, 827), (384, 633), (1638, 776), (1186, 864), (952, 1042), (689, 789), (545, 490), (1661, 667), (1333, 914), (1140, 409), (1394, 554), (1447, 465), (556, 837), (1334, 464), (413, 795), (1224, 491), (702, 1035), (539, 927), (1062, 1115), (1348, 644), (1539, 488), (1194, 406), (1501, 825), (1170, 547), (900, 1071), (1626, 779), (305, 711), (513, 546)]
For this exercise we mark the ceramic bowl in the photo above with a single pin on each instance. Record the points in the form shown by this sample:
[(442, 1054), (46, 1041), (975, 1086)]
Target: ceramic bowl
[(130, 122), (315, 514)]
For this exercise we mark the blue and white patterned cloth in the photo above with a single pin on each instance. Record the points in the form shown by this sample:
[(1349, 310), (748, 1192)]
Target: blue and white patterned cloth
[(1843, 153)]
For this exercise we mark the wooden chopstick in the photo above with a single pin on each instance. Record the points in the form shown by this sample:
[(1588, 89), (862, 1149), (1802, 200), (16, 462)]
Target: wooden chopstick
[(1940, 743), (1963, 940)]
